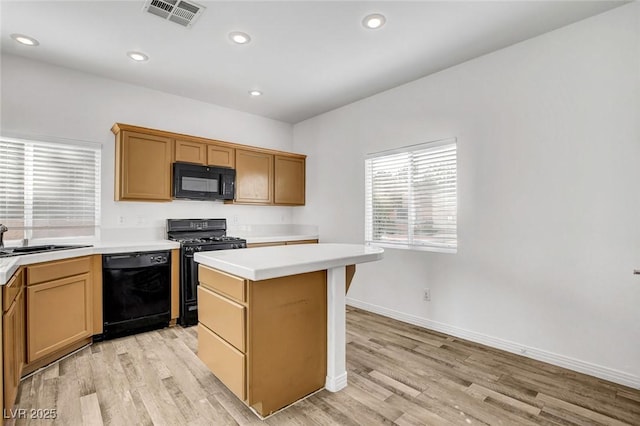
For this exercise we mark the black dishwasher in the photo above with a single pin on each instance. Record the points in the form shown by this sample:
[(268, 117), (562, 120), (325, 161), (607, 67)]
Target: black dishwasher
[(136, 290)]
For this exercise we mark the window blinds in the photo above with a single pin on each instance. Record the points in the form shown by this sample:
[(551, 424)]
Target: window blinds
[(49, 189), (411, 197)]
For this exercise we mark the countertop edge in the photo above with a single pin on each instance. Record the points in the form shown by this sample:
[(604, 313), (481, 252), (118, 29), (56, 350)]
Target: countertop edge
[(293, 268), (279, 238), (9, 265)]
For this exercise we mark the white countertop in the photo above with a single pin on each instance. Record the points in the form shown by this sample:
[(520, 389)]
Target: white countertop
[(273, 233), (8, 265), (279, 238), (263, 263)]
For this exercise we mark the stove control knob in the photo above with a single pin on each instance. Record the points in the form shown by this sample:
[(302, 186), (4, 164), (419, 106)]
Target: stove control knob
[(198, 248), (188, 249)]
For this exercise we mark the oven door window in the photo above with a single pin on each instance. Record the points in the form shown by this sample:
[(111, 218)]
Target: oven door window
[(199, 184)]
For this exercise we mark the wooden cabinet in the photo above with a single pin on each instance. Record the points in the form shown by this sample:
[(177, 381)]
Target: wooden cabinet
[(221, 156), (226, 362), (13, 338), (209, 154), (144, 160), (263, 178), (143, 166), (281, 243), (190, 152), (265, 340), (289, 180), (59, 306), (254, 177)]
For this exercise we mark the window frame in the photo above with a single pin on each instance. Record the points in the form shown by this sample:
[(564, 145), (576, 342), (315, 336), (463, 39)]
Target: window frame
[(411, 241), (31, 144)]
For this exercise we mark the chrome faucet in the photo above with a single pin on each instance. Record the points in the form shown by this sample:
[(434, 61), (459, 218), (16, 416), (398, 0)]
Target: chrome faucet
[(3, 229)]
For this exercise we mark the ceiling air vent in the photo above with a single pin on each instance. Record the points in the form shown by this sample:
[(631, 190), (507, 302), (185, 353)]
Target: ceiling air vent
[(181, 12)]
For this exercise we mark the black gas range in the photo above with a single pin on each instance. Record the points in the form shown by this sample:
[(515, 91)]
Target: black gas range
[(196, 235)]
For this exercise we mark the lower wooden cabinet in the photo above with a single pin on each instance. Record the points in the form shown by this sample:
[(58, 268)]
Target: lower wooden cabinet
[(13, 339), (269, 349), (59, 306), (59, 314)]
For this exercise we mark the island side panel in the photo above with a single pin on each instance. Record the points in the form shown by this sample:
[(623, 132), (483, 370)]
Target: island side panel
[(287, 341), (336, 329)]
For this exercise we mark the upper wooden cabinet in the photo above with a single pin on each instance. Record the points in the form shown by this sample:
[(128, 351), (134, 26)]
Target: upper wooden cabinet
[(204, 153), (222, 156), (143, 166), (289, 180), (144, 160), (254, 177), (191, 152), (273, 179)]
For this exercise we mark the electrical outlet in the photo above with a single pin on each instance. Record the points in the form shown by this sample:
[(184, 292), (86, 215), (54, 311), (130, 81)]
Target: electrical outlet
[(426, 296), (122, 220)]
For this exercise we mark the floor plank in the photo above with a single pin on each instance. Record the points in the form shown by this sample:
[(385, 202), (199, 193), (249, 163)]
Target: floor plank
[(398, 374)]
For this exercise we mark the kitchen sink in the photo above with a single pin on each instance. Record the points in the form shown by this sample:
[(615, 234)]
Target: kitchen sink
[(17, 251)]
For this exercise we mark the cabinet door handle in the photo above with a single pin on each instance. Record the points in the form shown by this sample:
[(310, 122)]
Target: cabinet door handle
[(636, 272)]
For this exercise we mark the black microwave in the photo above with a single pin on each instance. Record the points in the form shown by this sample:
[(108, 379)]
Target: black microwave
[(195, 182)]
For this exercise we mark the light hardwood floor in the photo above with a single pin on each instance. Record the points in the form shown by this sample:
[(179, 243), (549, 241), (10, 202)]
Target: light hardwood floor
[(398, 374)]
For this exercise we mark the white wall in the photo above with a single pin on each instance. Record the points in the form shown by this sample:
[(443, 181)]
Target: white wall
[(549, 200), (40, 99)]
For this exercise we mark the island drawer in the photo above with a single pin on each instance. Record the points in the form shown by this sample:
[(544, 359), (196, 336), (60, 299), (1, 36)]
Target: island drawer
[(224, 316), (51, 271), (226, 284), (225, 361)]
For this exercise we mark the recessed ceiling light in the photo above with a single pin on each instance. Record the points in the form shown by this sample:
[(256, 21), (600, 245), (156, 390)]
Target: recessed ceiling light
[(26, 40), (239, 37), (374, 21), (255, 93), (138, 56)]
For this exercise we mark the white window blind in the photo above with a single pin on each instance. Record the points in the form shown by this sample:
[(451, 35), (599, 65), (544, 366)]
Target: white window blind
[(49, 189), (411, 197)]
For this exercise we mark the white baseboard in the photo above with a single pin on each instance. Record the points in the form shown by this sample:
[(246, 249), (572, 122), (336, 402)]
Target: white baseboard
[(580, 366), (334, 384)]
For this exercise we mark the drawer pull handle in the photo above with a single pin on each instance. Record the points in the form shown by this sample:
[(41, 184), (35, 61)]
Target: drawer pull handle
[(636, 272)]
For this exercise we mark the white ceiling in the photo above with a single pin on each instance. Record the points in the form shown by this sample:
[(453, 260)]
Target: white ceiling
[(307, 57)]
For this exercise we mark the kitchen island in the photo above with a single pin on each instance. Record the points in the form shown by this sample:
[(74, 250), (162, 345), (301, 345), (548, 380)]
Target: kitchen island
[(272, 319)]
